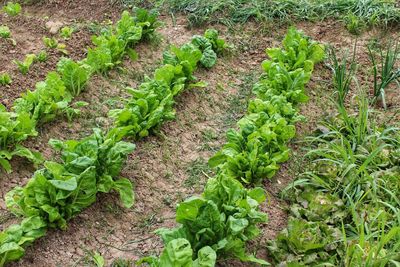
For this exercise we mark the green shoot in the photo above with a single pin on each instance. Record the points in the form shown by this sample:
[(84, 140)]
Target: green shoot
[(343, 75), (42, 56), (5, 79), (385, 71), (354, 24)]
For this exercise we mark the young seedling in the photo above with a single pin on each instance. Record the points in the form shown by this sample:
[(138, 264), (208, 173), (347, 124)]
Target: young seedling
[(66, 32), (5, 79), (5, 32), (12, 9), (42, 56), (50, 42), (354, 24), (25, 65)]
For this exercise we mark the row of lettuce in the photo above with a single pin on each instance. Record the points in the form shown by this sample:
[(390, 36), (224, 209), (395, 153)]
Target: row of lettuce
[(345, 208), (53, 96), (220, 222), (61, 190)]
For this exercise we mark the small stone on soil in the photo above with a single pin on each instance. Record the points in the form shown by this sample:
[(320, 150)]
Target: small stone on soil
[(54, 26)]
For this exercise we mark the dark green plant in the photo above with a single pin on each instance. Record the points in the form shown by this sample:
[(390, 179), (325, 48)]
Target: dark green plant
[(354, 24), (74, 75), (61, 190), (53, 96), (255, 151), (385, 68), (343, 75), (152, 102)]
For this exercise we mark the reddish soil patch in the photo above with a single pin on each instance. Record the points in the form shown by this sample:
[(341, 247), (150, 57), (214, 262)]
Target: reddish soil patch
[(28, 31)]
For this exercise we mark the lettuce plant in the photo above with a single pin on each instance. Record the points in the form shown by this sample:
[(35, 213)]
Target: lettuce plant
[(74, 75), (42, 56), (179, 253), (50, 42), (66, 32), (53, 96), (5, 32), (15, 128), (47, 101), (152, 102), (224, 218), (12, 9), (255, 151), (61, 190), (25, 65)]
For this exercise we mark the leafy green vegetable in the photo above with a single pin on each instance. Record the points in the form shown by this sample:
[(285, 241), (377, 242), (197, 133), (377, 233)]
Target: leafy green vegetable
[(147, 20), (218, 45), (112, 45), (178, 253), (59, 191), (42, 56), (50, 42), (310, 242), (14, 128), (5, 32), (12, 9), (66, 32), (53, 96), (224, 218), (99, 59), (48, 100), (16, 237), (255, 151), (25, 65), (152, 102), (298, 49), (73, 75)]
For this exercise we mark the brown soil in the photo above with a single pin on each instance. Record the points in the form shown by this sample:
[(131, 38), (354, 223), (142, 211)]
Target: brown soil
[(169, 166)]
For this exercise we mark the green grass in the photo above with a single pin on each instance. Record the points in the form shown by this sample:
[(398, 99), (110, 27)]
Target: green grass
[(237, 103), (198, 172), (208, 139), (355, 13)]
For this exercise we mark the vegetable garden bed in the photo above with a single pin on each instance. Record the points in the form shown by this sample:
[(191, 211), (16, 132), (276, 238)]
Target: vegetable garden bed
[(170, 162)]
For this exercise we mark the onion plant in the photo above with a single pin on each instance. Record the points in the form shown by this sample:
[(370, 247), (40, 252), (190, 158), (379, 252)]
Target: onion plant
[(384, 69)]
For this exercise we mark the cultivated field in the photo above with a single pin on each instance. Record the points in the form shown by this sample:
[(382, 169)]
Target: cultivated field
[(199, 133)]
